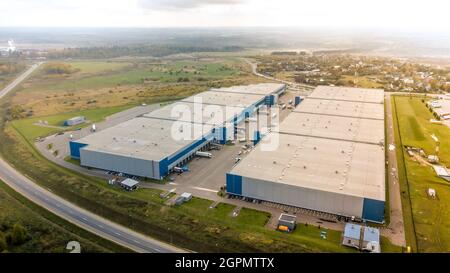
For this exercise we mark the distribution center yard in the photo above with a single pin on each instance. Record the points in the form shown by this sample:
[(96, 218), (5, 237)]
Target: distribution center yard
[(430, 218)]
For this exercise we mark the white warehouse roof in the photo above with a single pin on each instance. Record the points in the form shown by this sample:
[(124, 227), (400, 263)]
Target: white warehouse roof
[(260, 89), (145, 138), (151, 136), (348, 94), (222, 98), (333, 141), (334, 127), (343, 167), (341, 108), (197, 113)]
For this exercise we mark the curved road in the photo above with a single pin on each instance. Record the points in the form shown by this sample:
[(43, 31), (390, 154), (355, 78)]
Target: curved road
[(72, 213), (293, 85)]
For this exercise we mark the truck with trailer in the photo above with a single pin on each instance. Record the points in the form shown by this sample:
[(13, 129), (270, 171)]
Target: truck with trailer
[(203, 154)]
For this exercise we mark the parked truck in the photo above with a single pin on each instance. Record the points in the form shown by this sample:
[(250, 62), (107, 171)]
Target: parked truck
[(203, 154)]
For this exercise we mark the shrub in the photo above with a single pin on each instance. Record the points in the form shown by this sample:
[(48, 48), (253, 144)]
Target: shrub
[(3, 244), (19, 234)]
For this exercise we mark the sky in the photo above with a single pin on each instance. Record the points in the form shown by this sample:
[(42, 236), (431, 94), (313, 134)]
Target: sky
[(398, 14)]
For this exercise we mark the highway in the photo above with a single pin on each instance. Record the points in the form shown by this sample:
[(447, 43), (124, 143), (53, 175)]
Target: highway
[(72, 213)]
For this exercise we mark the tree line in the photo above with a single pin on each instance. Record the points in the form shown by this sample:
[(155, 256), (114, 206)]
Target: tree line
[(146, 50)]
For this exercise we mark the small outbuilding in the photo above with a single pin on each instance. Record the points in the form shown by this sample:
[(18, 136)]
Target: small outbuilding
[(288, 221), (371, 240), (184, 197), (129, 184), (352, 235), (74, 121), (431, 193), (362, 238)]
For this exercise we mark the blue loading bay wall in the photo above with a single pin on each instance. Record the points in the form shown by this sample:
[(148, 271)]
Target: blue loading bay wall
[(256, 138), (165, 163), (373, 210), (75, 149), (234, 184), (223, 139), (270, 100)]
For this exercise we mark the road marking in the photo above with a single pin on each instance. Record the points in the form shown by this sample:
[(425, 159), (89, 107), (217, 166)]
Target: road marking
[(99, 225), (204, 189), (84, 218)]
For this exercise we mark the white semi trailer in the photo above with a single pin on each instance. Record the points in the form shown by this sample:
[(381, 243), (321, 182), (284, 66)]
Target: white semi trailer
[(203, 154)]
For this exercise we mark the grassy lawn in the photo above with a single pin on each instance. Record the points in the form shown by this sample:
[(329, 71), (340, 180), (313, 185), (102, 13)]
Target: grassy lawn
[(108, 74), (72, 160), (428, 219), (251, 222), (361, 81), (92, 67), (31, 131), (46, 232), (111, 83)]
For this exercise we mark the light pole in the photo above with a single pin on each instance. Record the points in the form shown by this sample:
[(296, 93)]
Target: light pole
[(435, 138)]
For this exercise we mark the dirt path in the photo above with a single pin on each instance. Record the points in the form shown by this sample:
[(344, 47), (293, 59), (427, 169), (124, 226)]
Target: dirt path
[(395, 230)]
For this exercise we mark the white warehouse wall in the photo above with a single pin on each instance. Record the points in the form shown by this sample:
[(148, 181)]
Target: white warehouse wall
[(318, 200), (118, 163)]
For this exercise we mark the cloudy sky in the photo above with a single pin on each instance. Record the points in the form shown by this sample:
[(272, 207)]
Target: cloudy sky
[(405, 14)]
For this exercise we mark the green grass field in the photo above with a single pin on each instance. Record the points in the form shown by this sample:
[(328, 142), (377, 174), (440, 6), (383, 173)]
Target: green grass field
[(92, 67), (361, 81), (31, 131), (96, 74), (46, 232), (431, 218)]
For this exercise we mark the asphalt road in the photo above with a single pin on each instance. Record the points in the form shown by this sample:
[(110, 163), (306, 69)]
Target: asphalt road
[(18, 80), (72, 213), (80, 217)]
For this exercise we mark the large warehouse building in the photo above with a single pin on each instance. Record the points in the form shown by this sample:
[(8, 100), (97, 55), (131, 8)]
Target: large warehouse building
[(330, 156), (153, 144)]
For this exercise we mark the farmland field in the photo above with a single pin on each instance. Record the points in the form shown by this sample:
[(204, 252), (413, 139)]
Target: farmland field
[(99, 84), (431, 217)]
